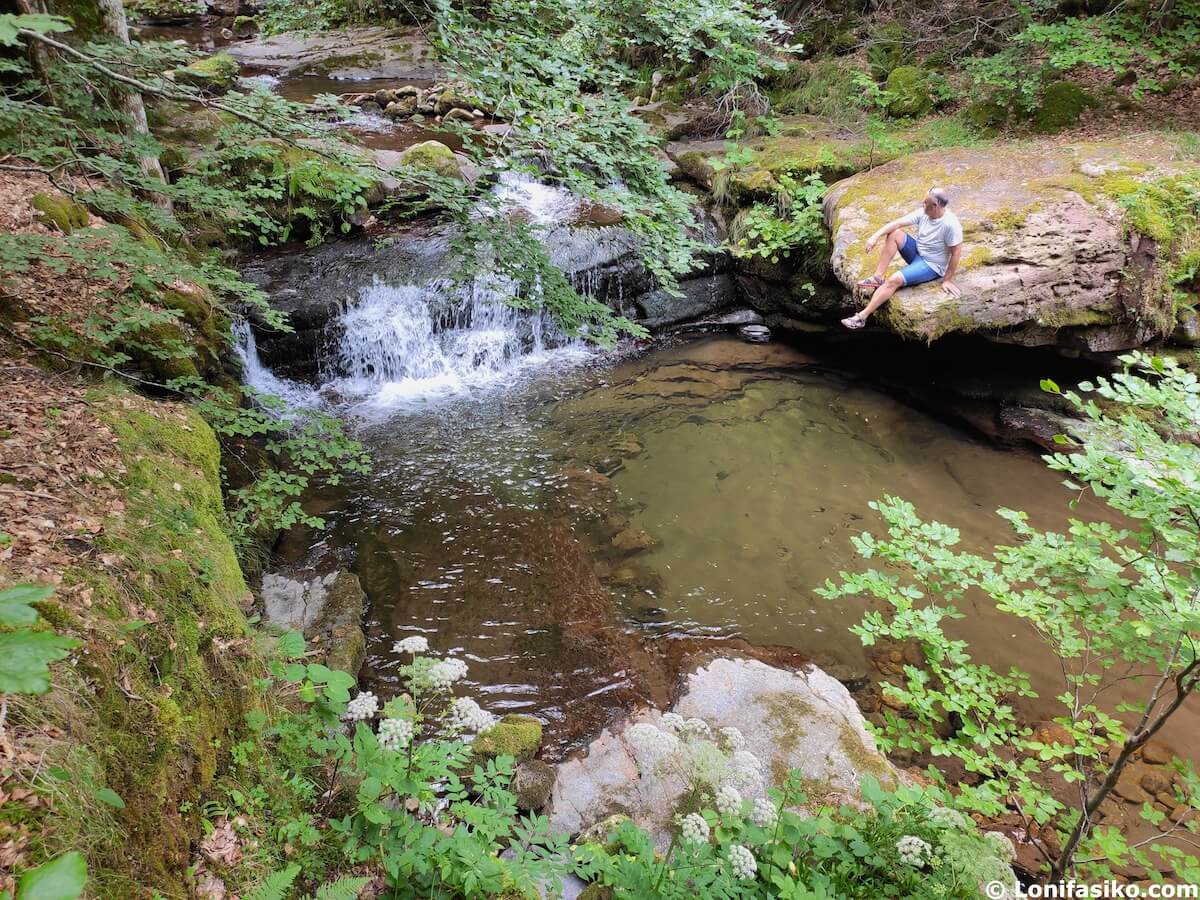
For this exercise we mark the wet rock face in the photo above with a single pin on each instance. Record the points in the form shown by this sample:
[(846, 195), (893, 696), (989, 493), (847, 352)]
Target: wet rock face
[(1046, 259), (314, 287), (790, 720)]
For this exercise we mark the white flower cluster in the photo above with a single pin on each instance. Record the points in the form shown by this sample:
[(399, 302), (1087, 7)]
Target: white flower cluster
[(763, 813), (364, 706), (695, 829), (414, 645), (747, 772), (671, 721), (652, 744), (440, 676), (913, 851), (1002, 845), (466, 715), (695, 728), (945, 817), (395, 734), (741, 863), (729, 801), (732, 738)]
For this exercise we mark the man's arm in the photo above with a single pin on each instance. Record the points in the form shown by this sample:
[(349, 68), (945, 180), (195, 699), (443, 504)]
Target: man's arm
[(887, 229), (948, 284)]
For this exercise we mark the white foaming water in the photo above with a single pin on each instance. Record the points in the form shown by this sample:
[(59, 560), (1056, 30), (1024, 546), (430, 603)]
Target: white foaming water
[(408, 343), (542, 204), (259, 378)]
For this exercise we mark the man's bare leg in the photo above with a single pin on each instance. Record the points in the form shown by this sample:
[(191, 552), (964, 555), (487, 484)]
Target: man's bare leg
[(882, 295), (891, 246)]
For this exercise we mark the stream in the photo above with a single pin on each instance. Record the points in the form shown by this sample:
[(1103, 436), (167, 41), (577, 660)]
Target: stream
[(580, 525)]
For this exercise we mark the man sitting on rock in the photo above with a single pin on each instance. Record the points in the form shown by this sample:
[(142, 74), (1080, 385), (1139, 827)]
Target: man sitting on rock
[(933, 253)]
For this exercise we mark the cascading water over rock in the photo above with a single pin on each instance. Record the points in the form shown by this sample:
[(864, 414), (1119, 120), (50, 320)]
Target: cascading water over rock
[(413, 337)]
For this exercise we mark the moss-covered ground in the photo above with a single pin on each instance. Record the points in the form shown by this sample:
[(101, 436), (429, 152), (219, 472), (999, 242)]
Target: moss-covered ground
[(159, 689)]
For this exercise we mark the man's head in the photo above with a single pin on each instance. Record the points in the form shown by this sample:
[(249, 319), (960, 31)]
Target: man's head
[(935, 202)]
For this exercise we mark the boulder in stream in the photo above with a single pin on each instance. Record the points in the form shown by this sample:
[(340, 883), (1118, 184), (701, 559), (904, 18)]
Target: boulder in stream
[(1052, 253), (802, 720)]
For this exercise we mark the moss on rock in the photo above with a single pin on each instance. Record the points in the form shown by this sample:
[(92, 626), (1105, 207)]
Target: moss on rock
[(60, 211), (911, 92), (159, 690), (515, 735), (216, 74), (433, 156), (987, 115), (1063, 102)]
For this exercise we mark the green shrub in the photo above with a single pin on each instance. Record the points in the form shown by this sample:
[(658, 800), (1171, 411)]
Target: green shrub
[(888, 49), (826, 88)]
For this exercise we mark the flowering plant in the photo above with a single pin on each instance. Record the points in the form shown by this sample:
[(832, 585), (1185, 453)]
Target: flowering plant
[(396, 785), (735, 838)]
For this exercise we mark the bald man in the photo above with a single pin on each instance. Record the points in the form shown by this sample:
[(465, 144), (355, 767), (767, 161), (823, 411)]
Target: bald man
[(933, 253)]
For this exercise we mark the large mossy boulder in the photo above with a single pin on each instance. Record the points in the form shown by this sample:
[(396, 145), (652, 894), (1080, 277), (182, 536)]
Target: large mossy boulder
[(911, 92), (432, 156), (1063, 102), (1064, 244), (215, 74)]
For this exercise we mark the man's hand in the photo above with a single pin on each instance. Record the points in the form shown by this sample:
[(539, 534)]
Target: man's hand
[(872, 241), (950, 287)]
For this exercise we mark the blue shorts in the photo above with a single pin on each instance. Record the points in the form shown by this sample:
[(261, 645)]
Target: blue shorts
[(917, 271)]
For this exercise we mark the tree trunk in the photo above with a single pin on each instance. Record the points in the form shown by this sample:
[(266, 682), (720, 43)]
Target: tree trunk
[(112, 14)]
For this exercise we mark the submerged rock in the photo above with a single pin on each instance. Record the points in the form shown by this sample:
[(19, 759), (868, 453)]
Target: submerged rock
[(350, 53), (790, 720), (1047, 259)]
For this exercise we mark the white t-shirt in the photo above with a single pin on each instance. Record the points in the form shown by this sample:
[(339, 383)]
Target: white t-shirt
[(936, 237)]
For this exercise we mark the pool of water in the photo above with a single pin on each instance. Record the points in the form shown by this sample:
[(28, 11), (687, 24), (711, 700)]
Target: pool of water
[(576, 530)]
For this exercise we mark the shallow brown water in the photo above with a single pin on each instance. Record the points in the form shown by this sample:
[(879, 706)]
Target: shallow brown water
[(500, 525)]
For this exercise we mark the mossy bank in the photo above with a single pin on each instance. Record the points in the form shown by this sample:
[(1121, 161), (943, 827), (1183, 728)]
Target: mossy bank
[(159, 688)]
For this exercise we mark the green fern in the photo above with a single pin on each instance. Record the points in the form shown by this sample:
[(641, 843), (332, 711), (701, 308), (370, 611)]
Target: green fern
[(342, 889), (275, 886)]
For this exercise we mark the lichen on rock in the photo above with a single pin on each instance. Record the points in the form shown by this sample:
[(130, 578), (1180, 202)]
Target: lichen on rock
[(1048, 249)]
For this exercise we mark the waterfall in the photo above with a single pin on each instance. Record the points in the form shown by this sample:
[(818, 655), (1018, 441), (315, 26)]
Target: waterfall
[(408, 338), (258, 377), (412, 342)]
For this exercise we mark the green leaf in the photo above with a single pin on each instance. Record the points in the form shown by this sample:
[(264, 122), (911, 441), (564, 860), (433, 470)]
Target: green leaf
[(291, 645), (15, 608), (62, 878), (276, 885), (1050, 386), (25, 658), (10, 25), (109, 796)]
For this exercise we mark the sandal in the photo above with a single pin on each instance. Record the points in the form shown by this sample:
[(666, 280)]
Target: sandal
[(854, 322), (869, 284)]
